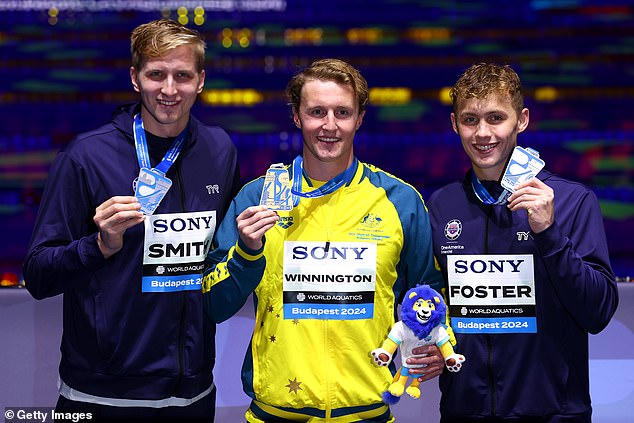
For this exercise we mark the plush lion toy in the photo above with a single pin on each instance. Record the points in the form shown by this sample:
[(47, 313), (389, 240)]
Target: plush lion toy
[(423, 315)]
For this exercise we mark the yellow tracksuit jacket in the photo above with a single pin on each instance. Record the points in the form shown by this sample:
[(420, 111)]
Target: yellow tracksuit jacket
[(326, 286)]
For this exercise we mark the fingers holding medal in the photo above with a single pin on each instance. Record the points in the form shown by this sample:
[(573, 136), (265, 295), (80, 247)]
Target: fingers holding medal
[(276, 195), (112, 218), (538, 200), (253, 223)]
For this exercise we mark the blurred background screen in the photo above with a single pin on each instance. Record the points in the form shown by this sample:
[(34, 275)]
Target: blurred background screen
[(64, 66)]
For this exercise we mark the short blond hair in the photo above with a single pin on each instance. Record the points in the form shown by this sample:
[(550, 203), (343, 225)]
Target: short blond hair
[(155, 39), (328, 70), (483, 79)]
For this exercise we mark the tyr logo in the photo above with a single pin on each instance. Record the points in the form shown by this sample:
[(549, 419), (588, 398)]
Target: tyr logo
[(523, 236), (213, 189)]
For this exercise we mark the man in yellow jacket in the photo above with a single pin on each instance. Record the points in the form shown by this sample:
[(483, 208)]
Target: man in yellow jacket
[(328, 263)]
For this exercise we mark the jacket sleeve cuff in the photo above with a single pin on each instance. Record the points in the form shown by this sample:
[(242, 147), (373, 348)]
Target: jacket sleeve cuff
[(248, 253), (550, 240), (90, 254)]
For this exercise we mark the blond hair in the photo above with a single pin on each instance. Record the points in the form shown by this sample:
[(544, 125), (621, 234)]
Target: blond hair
[(155, 39), (328, 70)]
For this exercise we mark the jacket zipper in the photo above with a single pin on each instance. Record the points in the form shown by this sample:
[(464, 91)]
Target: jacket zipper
[(181, 326), (489, 340), (328, 410)]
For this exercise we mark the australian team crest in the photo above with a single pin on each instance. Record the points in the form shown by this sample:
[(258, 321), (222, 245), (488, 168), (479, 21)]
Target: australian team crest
[(371, 220), (453, 229)]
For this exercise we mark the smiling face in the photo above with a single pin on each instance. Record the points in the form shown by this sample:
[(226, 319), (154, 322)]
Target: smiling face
[(168, 86), (423, 309), (488, 129), (328, 116)]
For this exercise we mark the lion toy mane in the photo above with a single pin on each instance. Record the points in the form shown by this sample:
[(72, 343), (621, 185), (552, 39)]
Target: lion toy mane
[(423, 313)]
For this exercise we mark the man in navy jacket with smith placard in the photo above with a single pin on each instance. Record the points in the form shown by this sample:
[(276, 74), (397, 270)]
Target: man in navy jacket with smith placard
[(123, 230), (526, 266)]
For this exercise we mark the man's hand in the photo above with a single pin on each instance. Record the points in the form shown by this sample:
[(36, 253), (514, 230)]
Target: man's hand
[(538, 199), (253, 222), (430, 356), (113, 217)]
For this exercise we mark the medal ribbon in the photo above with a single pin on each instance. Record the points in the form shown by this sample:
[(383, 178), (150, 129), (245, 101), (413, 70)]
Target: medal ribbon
[(143, 155), (484, 195), (329, 187)]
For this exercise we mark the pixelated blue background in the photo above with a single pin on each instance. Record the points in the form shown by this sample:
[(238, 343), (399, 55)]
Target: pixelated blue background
[(64, 69)]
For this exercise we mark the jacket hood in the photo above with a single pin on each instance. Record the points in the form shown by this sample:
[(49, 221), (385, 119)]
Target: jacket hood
[(123, 118)]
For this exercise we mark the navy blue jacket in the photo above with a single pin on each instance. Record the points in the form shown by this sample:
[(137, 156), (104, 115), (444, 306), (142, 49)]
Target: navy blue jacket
[(119, 342), (533, 374)]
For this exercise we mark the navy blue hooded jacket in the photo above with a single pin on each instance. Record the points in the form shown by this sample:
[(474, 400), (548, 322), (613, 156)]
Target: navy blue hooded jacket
[(523, 375), (119, 342)]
